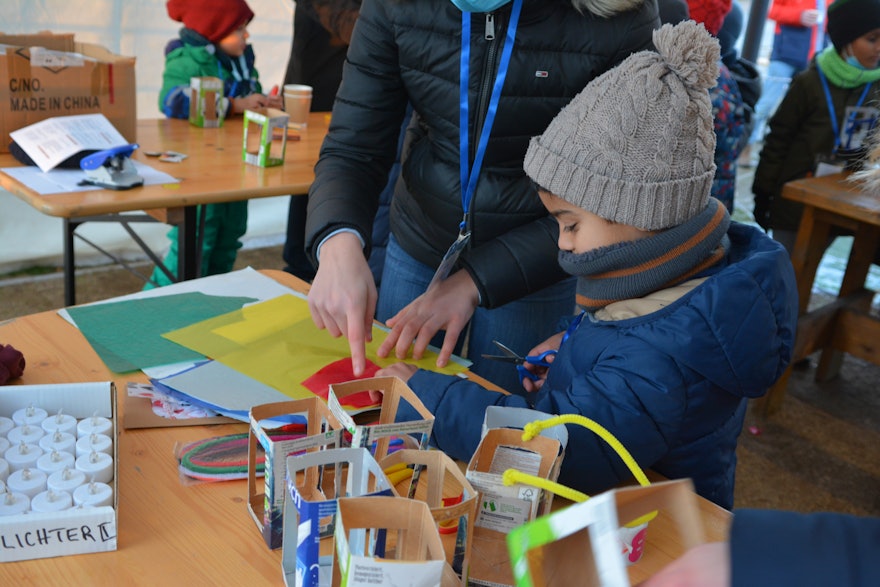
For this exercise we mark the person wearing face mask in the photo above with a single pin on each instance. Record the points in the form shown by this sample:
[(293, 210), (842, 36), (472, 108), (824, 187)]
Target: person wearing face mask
[(822, 123), (482, 76), (688, 313)]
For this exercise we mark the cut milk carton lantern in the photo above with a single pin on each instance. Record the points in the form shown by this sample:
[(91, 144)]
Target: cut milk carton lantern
[(206, 103), (259, 126)]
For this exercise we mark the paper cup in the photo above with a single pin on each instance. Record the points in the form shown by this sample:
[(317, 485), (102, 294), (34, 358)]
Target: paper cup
[(297, 104)]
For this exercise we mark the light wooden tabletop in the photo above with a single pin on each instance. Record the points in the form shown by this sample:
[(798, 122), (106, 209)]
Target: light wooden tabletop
[(836, 193), (173, 533), (213, 172)]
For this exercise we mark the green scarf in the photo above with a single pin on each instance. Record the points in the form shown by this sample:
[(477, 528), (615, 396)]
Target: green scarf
[(842, 74)]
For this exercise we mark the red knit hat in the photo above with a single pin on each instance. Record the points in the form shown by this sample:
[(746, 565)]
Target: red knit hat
[(710, 13), (213, 19)]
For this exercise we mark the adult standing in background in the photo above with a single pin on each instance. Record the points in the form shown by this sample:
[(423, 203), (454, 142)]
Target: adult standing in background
[(799, 34), (321, 33), (450, 60)]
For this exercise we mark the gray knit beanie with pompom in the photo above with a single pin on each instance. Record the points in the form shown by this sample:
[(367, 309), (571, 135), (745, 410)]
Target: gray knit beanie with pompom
[(637, 145)]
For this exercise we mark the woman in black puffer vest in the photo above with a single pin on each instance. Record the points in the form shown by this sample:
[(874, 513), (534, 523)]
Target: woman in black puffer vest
[(410, 51)]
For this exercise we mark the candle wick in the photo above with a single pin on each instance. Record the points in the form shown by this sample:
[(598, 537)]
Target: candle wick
[(93, 458), (56, 456), (23, 448), (57, 437), (26, 474), (65, 474)]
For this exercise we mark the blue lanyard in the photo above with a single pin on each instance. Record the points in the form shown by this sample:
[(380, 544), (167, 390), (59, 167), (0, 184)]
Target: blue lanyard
[(833, 113), (469, 176)]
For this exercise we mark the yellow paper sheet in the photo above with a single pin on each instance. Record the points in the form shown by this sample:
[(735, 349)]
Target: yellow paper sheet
[(276, 343)]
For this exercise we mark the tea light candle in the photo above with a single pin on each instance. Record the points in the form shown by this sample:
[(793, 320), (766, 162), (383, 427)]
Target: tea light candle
[(29, 415), (54, 461), (27, 433), (67, 479), (22, 456), (51, 501), (6, 424), (60, 441), (98, 466), (94, 425), (27, 481), (60, 422), (94, 494), (13, 504), (94, 442), (4, 470)]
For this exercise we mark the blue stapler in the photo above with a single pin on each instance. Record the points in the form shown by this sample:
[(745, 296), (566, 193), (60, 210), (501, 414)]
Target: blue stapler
[(112, 168)]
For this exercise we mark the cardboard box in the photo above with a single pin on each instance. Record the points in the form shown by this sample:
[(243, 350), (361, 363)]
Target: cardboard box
[(393, 390), (434, 478), (503, 508), (45, 75), (259, 129), (322, 431), (315, 483), (388, 541), (581, 544), (206, 101), (74, 531)]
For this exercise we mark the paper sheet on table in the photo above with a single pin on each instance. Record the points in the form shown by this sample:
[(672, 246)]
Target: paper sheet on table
[(218, 387), (127, 334), (59, 181), (277, 343), (51, 141)]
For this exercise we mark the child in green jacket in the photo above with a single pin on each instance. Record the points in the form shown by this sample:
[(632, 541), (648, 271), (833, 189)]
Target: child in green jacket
[(212, 42)]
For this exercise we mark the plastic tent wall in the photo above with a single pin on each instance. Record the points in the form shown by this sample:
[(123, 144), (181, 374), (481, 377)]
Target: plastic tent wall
[(138, 28)]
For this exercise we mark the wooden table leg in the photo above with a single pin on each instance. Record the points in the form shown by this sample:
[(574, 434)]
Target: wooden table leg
[(809, 247), (864, 248)]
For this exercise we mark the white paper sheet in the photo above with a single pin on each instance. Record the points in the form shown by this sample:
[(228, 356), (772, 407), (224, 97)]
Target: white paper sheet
[(51, 141), (59, 181)]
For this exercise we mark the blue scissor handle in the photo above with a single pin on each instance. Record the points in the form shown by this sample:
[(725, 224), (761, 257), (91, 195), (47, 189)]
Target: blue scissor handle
[(96, 160), (540, 360)]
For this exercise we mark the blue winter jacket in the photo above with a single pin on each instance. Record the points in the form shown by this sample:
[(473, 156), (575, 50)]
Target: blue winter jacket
[(671, 385)]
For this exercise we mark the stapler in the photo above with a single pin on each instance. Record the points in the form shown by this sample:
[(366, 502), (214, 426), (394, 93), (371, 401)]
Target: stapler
[(112, 168)]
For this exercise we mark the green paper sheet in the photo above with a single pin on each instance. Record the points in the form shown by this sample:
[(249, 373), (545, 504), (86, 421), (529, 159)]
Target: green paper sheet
[(276, 343), (127, 335)]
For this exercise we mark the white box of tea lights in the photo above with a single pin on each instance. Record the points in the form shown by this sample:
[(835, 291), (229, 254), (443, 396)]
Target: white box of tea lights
[(72, 531)]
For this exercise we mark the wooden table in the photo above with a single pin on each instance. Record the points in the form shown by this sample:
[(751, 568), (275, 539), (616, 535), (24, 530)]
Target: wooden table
[(175, 534), (845, 325), (212, 173)]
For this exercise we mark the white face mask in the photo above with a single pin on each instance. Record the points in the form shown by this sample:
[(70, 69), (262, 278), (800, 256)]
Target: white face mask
[(479, 5)]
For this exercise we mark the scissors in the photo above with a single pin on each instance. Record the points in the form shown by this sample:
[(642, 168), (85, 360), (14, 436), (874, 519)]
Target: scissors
[(511, 357)]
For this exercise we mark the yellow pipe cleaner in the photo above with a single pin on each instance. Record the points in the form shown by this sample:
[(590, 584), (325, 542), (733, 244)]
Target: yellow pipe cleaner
[(533, 429)]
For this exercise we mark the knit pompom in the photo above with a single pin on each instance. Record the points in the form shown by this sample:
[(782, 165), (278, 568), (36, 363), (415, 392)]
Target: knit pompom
[(690, 52)]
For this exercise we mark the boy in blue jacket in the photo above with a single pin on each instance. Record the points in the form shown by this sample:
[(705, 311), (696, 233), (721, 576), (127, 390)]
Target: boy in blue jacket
[(213, 42), (687, 313)]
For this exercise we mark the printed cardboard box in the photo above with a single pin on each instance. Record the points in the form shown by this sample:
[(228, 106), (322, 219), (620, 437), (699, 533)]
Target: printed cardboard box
[(415, 433), (322, 431), (434, 478), (259, 148), (388, 541), (74, 531), (581, 545), (206, 102), (45, 75), (315, 483), (502, 508)]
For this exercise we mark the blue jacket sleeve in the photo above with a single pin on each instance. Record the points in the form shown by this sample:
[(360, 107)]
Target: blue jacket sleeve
[(458, 406), (770, 547)]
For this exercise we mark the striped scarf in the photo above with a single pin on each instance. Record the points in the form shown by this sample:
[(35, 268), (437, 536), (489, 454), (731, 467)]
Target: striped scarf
[(634, 269)]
